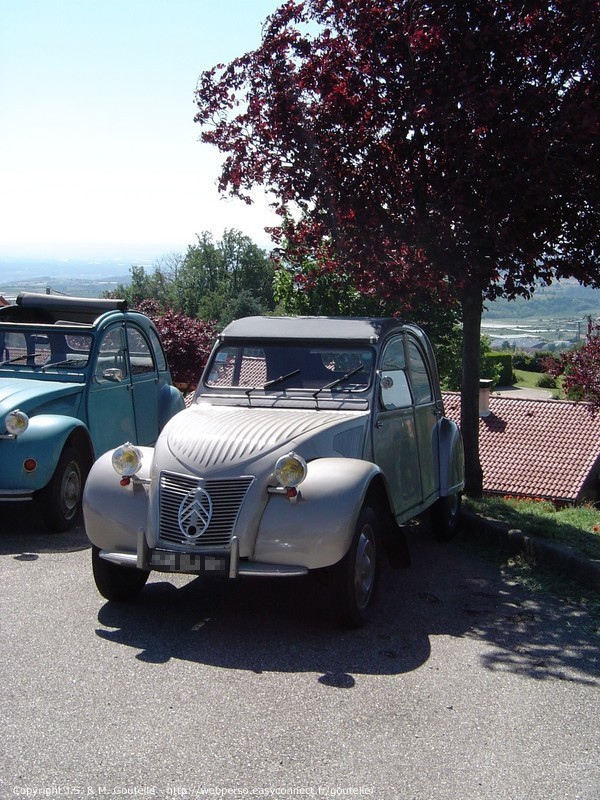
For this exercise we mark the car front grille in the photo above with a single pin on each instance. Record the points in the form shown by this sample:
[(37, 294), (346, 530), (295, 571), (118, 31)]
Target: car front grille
[(226, 496)]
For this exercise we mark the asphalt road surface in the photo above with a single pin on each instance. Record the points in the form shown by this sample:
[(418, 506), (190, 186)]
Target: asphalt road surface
[(465, 685)]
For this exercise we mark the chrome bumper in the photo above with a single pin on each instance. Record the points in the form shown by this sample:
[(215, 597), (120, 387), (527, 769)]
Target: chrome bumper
[(16, 495), (171, 561)]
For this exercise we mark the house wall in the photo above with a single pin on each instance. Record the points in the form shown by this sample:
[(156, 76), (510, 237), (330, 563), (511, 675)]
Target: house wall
[(590, 491)]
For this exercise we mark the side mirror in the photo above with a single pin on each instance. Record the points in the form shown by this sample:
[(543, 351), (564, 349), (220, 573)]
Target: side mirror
[(113, 374), (394, 391)]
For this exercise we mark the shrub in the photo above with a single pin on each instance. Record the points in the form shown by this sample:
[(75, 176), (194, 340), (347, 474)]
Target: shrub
[(531, 362), (547, 382), (500, 368), (187, 341), (580, 369)]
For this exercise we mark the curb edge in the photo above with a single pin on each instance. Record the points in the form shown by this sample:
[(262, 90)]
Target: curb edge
[(571, 563)]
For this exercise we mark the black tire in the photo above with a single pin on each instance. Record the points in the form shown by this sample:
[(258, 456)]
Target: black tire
[(445, 517), (356, 576), (61, 499), (115, 582)]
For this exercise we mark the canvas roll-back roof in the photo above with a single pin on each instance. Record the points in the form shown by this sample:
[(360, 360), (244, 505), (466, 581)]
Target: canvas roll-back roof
[(33, 307), (359, 330)]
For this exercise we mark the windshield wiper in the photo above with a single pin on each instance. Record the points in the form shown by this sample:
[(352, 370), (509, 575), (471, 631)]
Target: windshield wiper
[(336, 382), (272, 382), (74, 362), (15, 359)]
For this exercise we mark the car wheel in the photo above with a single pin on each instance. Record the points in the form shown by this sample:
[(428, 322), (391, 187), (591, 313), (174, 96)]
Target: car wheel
[(445, 516), (115, 582), (61, 498), (356, 575)]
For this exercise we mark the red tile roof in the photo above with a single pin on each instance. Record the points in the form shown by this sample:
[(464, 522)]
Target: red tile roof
[(535, 448), (252, 373)]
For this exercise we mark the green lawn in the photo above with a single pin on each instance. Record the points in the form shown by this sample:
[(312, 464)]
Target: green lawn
[(527, 380), (575, 526)]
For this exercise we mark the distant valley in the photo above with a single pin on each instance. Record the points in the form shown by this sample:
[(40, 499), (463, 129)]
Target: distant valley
[(79, 277), (554, 312)]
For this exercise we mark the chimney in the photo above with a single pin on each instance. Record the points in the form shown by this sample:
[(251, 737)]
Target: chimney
[(485, 386)]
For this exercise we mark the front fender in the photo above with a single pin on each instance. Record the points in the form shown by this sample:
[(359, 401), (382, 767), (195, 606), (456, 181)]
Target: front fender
[(43, 441), (112, 513), (315, 530)]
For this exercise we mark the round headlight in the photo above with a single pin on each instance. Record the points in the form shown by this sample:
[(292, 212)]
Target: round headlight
[(290, 470), (127, 460), (16, 422)]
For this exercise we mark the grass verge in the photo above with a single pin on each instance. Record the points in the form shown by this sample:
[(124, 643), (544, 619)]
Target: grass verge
[(521, 570), (542, 519), (527, 379), (575, 526)]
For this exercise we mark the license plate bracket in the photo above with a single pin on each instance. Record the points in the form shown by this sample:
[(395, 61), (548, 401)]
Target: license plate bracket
[(201, 563)]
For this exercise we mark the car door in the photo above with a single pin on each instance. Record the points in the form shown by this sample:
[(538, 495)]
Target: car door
[(426, 418), (111, 418), (395, 442), (144, 384)]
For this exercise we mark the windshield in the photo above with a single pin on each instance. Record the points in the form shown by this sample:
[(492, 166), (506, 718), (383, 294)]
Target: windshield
[(282, 367), (46, 350)]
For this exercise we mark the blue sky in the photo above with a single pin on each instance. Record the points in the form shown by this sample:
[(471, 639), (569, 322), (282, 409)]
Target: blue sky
[(99, 154)]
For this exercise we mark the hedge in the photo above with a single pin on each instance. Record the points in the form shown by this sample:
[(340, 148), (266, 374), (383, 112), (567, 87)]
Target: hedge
[(505, 363)]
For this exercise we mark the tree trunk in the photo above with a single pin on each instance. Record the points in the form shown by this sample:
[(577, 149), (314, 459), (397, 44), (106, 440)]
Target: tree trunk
[(472, 308)]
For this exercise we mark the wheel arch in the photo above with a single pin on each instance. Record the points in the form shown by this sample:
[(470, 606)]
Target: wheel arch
[(61, 497), (320, 525), (378, 498), (394, 542), (79, 439), (45, 441)]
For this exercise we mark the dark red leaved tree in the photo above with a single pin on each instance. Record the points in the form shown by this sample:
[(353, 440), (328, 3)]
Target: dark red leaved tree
[(187, 341), (580, 369), (431, 148)]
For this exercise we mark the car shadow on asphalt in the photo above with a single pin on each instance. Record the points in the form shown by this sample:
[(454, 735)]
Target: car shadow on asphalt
[(24, 535), (287, 625)]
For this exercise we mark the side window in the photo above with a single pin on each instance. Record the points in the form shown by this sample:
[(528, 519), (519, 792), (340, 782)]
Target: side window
[(14, 347), (393, 356), (419, 375), (112, 361), (159, 353), (140, 356), (395, 392)]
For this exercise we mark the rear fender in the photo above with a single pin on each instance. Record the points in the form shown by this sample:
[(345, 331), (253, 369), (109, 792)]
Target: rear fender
[(452, 459), (316, 528), (113, 514), (170, 402)]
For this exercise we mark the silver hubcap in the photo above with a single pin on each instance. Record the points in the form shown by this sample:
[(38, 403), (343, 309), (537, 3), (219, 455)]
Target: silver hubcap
[(71, 489), (364, 568), (453, 508)]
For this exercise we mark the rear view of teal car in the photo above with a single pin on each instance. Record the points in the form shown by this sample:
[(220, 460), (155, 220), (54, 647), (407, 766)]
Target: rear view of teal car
[(78, 376)]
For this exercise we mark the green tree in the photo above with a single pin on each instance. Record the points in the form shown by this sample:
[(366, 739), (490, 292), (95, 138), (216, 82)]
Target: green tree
[(248, 268), (140, 287), (217, 281), (214, 276), (308, 289), (448, 350)]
